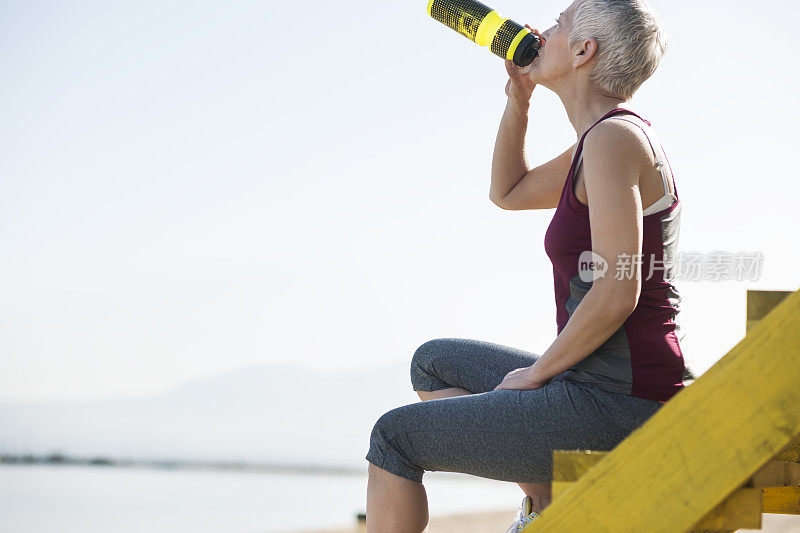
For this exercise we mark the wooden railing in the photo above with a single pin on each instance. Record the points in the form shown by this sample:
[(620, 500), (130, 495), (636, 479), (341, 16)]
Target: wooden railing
[(721, 452)]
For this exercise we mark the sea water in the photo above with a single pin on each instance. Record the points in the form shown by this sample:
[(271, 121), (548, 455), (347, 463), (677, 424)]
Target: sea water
[(94, 499)]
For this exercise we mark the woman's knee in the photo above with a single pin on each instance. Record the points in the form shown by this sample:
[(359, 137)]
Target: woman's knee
[(423, 375), (388, 446)]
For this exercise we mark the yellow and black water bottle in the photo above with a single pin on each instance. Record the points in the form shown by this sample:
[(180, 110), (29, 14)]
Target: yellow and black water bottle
[(485, 26)]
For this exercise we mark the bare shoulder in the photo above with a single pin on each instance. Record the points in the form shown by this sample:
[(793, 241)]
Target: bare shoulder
[(617, 143)]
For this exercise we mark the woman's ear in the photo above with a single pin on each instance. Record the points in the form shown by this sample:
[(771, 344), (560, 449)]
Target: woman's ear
[(584, 52)]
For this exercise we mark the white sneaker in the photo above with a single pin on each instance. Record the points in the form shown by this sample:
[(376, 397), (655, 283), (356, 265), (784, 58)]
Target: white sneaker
[(525, 515)]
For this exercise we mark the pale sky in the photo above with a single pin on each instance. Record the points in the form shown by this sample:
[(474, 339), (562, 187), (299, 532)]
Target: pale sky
[(189, 188)]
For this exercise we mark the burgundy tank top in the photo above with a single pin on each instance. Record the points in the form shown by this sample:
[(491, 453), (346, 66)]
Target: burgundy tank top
[(643, 357)]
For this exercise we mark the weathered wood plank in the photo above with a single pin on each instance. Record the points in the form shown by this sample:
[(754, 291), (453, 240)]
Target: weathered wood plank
[(776, 474), (674, 469), (740, 510), (570, 465), (777, 485), (790, 453), (781, 500), (760, 303)]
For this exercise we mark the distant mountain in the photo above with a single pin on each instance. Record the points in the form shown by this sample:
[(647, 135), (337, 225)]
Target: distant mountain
[(276, 414), (273, 414)]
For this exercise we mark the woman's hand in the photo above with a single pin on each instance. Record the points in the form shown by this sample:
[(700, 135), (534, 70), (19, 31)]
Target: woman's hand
[(519, 87), (521, 379)]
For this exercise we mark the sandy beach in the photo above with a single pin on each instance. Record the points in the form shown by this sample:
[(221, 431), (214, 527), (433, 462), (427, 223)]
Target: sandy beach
[(497, 521), (461, 523)]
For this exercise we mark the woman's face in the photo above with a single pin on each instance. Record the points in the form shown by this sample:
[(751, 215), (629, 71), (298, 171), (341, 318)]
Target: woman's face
[(554, 60)]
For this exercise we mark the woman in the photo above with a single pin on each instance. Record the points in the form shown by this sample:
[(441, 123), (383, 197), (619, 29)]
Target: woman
[(499, 412)]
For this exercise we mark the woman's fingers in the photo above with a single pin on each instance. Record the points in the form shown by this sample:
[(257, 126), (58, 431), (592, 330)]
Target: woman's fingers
[(539, 35), (512, 69), (518, 86), (534, 31)]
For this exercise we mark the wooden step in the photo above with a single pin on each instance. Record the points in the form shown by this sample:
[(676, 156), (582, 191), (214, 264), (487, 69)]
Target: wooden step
[(702, 446)]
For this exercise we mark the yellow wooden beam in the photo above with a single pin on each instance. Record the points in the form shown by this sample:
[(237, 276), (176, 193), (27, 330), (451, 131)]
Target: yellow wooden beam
[(790, 453), (570, 465), (781, 500), (703, 444), (741, 509), (776, 474), (760, 303)]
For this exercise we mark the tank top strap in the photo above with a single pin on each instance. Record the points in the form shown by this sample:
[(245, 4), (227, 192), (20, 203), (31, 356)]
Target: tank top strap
[(579, 149), (658, 151), (613, 112), (660, 154)]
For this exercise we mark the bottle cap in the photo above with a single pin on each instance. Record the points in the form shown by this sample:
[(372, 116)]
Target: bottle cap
[(527, 50)]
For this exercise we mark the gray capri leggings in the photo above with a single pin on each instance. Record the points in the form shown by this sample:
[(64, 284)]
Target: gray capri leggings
[(507, 435)]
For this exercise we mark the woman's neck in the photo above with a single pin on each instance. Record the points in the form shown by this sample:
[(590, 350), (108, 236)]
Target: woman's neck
[(586, 105)]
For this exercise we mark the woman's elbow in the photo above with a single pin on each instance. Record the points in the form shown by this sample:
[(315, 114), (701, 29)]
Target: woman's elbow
[(619, 300), (499, 202)]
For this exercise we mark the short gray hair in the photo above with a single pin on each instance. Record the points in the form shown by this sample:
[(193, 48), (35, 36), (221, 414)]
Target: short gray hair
[(630, 42)]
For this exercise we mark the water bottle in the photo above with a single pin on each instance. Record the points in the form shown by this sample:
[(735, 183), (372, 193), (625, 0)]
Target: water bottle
[(483, 25)]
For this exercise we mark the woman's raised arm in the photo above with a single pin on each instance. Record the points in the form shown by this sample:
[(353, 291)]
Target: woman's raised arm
[(540, 187), (514, 186)]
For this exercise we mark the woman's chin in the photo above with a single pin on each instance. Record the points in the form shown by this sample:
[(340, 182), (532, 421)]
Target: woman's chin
[(536, 75)]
